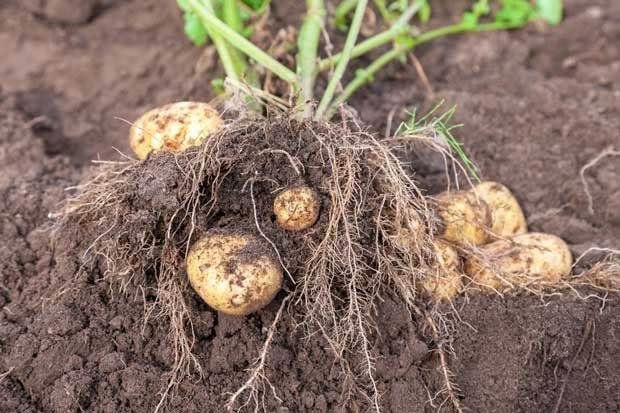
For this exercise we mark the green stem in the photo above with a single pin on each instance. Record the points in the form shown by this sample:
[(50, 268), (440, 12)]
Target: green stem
[(221, 29), (230, 15), (366, 75), (385, 13), (223, 50), (399, 27), (349, 44), (308, 46)]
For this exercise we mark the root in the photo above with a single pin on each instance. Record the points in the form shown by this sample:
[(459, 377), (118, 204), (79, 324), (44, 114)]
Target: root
[(603, 276), (422, 74), (449, 387), (275, 249), (6, 374), (607, 152), (588, 328), (255, 384), (353, 261)]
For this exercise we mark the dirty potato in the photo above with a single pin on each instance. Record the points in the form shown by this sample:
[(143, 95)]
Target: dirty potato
[(466, 218), (233, 273), (446, 283), (296, 208), (173, 128), (507, 217), (525, 259)]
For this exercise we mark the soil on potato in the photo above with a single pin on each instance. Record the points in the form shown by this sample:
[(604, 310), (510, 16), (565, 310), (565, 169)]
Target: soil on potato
[(537, 105)]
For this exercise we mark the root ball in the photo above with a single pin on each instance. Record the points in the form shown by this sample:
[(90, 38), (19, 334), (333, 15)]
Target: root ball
[(233, 273)]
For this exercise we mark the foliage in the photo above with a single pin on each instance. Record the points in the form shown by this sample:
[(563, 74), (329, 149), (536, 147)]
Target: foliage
[(227, 19)]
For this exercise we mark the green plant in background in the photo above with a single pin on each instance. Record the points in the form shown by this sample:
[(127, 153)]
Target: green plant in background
[(224, 22)]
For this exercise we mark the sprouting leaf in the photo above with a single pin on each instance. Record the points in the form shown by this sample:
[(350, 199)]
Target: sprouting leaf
[(550, 10), (194, 29)]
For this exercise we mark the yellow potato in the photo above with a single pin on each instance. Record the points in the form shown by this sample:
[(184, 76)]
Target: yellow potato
[(446, 283), (524, 259), (407, 234), (466, 218), (173, 128), (233, 273), (507, 218), (296, 208)]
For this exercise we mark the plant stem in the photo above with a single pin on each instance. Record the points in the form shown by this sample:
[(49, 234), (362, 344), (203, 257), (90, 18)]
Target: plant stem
[(343, 9), (235, 39), (380, 5), (349, 44), (366, 75), (399, 27), (230, 15), (308, 46), (223, 50)]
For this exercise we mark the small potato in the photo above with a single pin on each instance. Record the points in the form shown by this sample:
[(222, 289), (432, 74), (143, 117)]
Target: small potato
[(296, 208), (466, 218), (173, 128), (507, 218), (522, 260), (446, 283), (233, 273)]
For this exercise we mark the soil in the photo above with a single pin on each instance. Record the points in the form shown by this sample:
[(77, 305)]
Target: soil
[(537, 105)]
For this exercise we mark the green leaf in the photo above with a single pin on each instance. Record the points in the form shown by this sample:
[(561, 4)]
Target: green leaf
[(550, 10), (194, 29)]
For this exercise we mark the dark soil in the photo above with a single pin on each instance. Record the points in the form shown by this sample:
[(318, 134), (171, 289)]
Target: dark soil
[(537, 105)]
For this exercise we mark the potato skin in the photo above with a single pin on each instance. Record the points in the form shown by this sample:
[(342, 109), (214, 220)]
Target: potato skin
[(233, 273), (507, 218), (296, 208), (466, 218), (523, 259), (446, 283), (173, 128), (406, 231)]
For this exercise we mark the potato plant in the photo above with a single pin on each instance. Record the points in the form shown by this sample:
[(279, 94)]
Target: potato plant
[(359, 224)]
